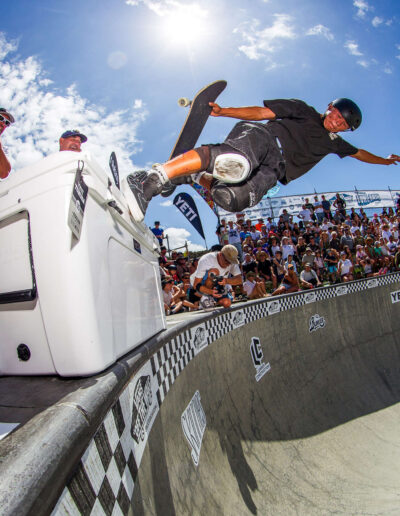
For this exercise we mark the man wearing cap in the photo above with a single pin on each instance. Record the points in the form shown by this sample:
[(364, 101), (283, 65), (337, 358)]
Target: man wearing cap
[(6, 119), (72, 140), (222, 263)]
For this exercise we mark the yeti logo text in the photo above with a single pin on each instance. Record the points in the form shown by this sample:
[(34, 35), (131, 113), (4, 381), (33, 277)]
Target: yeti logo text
[(257, 355), (194, 423), (142, 399), (185, 209), (316, 322), (395, 296)]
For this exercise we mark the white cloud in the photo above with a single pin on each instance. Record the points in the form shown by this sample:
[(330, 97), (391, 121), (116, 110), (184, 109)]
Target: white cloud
[(7, 46), (352, 48), (320, 30), (259, 42), (166, 204), (363, 62), (177, 238), (362, 8), (376, 21), (388, 69), (42, 113)]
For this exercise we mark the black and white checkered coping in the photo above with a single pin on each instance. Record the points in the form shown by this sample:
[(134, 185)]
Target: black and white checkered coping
[(104, 479)]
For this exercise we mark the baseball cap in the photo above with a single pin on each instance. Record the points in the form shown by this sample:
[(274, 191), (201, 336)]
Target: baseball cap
[(230, 253), (9, 115), (74, 132)]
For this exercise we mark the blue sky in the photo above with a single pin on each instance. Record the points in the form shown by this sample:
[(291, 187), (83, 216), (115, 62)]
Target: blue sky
[(115, 69)]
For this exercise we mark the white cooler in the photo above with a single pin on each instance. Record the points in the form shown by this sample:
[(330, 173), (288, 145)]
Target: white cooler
[(71, 306)]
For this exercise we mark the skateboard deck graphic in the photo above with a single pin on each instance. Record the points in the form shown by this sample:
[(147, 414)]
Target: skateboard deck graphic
[(194, 123)]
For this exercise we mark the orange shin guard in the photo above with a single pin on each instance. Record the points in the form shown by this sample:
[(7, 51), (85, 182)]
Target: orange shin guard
[(185, 164)]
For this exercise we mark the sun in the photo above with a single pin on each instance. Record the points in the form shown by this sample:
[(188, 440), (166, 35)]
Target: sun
[(185, 25)]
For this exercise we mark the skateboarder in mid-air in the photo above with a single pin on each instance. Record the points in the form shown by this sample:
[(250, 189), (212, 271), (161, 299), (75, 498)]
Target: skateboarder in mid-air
[(255, 155)]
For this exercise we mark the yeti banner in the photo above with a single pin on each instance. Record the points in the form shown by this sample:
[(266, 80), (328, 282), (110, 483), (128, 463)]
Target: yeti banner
[(186, 205)]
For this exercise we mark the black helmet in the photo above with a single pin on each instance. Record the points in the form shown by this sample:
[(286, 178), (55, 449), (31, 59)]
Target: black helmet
[(349, 111)]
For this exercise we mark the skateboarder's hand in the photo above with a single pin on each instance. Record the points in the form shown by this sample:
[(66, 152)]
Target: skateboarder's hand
[(393, 158), (216, 109)]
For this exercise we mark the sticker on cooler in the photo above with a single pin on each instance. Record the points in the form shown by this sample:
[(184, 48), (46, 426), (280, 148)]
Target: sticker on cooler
[(194, 423), (257, 356), (78, 202)]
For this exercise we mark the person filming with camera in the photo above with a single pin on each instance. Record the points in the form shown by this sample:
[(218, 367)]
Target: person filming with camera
[(215, 272)]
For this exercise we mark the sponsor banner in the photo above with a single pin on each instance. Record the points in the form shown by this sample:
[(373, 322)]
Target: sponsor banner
[(185, 204), (199, 338), (316, 322), (395, 296), (257, 356), (193, 421), (144, 405), (238, 319), (274, 207)]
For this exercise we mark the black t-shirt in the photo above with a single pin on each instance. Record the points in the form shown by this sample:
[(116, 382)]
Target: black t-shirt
[(303, 137), (264, 267)]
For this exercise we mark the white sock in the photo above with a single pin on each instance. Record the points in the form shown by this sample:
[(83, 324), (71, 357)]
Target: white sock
[(159, 169)]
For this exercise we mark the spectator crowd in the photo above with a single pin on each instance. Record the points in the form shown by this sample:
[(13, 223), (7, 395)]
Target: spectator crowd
[(328, 245)]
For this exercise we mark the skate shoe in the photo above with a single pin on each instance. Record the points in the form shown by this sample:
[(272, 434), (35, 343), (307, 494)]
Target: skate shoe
[(135, 183)]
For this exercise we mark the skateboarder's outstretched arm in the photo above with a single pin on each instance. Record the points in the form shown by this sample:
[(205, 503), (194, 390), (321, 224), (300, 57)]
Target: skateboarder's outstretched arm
[(243, 113), (367, 157)]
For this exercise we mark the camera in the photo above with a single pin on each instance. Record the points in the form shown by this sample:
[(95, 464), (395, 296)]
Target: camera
[(216, 279)]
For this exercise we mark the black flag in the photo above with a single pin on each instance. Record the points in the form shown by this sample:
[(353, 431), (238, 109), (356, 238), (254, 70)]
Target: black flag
[(185, 204), (114, 168)]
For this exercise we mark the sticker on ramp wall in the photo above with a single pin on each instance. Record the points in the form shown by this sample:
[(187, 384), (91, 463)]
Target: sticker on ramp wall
[(342, 290), (194, 423), (238, 319), (395, 296), (273, 307), (199, 338), (316, 323), (310, 297), (372, 283), (257, 356)]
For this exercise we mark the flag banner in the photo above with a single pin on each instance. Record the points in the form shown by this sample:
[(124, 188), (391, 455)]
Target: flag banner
[(357, 199), (185, 204)]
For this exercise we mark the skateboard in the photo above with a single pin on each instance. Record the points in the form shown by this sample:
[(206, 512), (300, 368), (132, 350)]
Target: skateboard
[(191, 130), (199, 111)]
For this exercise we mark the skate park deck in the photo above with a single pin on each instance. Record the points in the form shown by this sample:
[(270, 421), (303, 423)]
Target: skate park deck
[(282, 406)]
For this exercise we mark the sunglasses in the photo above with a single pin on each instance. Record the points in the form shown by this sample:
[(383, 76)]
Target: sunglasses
[(5, 120)]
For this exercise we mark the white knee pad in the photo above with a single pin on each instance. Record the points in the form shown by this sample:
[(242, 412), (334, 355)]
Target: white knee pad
[(231, 168)]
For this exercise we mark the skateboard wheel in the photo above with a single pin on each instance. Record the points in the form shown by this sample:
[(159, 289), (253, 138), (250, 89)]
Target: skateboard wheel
[(184, 102)]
